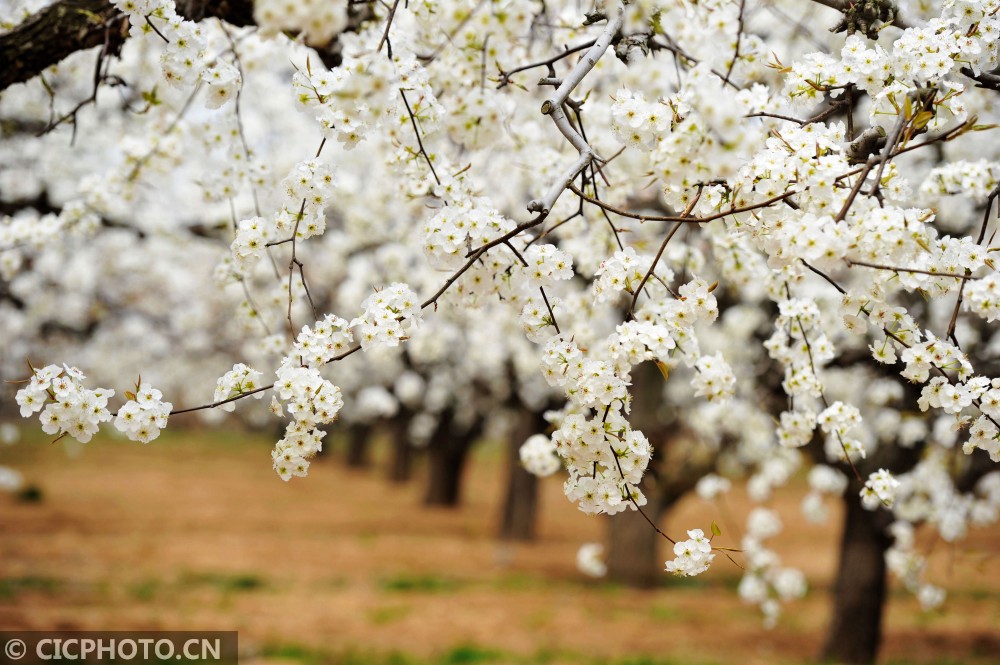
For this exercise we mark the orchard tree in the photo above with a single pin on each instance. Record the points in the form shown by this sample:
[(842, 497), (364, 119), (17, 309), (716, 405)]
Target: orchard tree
[(526, 200)]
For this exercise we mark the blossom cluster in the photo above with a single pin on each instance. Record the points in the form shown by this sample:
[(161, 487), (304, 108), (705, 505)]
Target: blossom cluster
[(365, 93), (66, 406), (692, 556), (907, 564), (185, 60), (309, 398), (391, 314), (26, 232), (712, 486), (305, 193), (605, 459), (291, 453), (317, 22), (621, 273), (538, 455), (589, 560), (823, 480), (636, 122), (328, 338), (879, 490), (239, 380), (142, 417), (713, 378), (982, 297), (766, 583), (311, 401), (457, 229)]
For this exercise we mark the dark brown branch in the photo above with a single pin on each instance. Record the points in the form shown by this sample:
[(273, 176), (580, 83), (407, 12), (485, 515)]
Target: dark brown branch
[(682, 219), (989, 80), (61, 29), (420, 142), (45, 38)]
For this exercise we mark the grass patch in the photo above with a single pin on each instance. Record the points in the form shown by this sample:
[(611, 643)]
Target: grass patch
[(145, 590), (381, 616), (684, 582), (240, 582), (941, 661), (14, 586), (664, 613), (517, 582), (293, 652), (462, 654), (467, 654), (404, 583)]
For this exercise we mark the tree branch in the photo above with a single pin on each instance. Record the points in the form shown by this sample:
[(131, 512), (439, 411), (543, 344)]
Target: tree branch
[(65, 27)]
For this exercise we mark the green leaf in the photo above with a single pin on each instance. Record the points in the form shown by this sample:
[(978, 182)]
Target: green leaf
[(716, 531), (151, 97), (922, 118)]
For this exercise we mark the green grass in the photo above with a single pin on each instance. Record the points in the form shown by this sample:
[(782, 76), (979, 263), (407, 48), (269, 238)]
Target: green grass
[(404, 583), (469, 654), (145, 590), (14, 586), (460, 654), (943, 661), (664, 613), (381, 616), (517, 582), (240, 582)]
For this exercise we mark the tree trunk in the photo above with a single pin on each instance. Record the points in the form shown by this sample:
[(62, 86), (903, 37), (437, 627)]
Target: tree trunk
[(358, 438), (856, 626), (633, 545), (447, 454), (401, 457), (520, 506)]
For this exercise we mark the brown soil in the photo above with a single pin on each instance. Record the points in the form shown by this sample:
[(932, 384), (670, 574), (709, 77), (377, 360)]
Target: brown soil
[(195, 532)]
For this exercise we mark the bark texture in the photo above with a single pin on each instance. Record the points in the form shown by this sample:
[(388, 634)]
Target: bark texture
[(520, 506), (402, 453), (676, 466), (856, 629), (65, 27), (634, 546), (447, 454), (358, 439)]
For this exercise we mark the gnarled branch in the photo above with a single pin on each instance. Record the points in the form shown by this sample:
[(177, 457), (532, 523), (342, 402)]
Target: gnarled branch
[(65, 27)]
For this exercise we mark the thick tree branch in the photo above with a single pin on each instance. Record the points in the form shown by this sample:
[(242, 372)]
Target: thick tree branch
[(57, 31), (865, 16), (552, 107), (61, 29), (989, 79)]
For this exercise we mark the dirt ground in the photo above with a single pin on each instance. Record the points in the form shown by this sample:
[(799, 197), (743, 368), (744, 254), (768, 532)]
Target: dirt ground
[(195, 532)]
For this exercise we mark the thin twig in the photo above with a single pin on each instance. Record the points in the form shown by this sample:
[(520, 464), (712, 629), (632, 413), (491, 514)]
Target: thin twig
[(852, 262), (736, 51), (385, 34), (505, 76), (674, 218), (416, 130)]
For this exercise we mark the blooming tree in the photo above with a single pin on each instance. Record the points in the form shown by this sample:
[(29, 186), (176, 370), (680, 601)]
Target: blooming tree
[(528, 198)]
